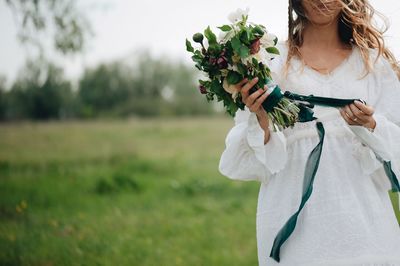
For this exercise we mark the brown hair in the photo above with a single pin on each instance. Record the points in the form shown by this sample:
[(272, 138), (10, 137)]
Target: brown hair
[(355, 28)]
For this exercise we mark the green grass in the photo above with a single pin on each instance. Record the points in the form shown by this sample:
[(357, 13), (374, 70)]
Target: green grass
[(128, 192)]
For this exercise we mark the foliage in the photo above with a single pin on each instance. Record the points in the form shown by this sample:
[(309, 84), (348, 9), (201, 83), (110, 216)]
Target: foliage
[(40, 92), (104, 88), (67, 27), (3, 106), (143, 86)]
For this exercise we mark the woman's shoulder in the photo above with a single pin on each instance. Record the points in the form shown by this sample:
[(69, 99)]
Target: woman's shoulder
[(377, 61)]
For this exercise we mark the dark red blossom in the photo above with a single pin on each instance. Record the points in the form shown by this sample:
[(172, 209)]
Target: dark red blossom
[(222, 62), (255, 46), (212, 60), (202, 89)]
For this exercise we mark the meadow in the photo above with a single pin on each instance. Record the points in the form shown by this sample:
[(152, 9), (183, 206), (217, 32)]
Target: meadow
[(122, 192)]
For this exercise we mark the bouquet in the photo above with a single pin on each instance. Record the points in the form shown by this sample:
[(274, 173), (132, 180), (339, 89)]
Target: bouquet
[(242, 50)]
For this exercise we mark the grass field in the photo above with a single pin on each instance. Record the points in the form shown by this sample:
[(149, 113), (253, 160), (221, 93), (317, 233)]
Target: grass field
[(128, 192)]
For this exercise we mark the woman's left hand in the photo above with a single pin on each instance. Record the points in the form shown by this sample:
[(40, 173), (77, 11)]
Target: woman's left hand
[(359, 114)]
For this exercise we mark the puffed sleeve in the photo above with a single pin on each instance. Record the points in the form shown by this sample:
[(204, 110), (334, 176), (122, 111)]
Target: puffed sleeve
[(245, 156), (384, 141)]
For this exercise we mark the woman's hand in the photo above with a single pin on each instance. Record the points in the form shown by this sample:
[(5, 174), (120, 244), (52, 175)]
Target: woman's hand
[(254, 102), (359, 114)]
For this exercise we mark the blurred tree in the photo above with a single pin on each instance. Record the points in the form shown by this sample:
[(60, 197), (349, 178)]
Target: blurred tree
[(40, 92), (67, 27), (188, 100), (101, 89), (163, 87), (3, 95), (143, 87)]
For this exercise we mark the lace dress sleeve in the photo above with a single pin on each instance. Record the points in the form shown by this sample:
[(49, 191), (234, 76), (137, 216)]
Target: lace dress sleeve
[(246, 157), (384, 141)]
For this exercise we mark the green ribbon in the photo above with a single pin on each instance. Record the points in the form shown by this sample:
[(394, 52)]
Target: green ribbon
[(392, 176), (309, 175), (313, 163), (394, 193)]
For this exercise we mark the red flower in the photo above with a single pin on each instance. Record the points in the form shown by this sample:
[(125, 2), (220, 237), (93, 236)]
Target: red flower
[(255, 47), (202, 89), (212, 61), (222, 62)]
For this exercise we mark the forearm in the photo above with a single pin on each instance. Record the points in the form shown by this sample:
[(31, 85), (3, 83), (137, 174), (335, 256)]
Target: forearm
[(264, 124)]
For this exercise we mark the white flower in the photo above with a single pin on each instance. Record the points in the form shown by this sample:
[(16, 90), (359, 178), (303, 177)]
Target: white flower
[(267, 40), (262, 56), (224, 72), (232, 89), (233, 67), (223, 37), (238, 15)]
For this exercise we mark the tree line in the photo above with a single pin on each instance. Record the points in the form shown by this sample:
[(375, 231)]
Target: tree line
[(146, 87)]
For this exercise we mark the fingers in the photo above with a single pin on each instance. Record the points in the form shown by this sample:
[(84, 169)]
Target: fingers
[(257, 104), (241, 83), (357, 113), (254, 100), (253, 97), (366, 109), (245, 89), (346, 117)]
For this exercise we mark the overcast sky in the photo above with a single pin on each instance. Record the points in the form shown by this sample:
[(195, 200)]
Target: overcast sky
[(123, 27)]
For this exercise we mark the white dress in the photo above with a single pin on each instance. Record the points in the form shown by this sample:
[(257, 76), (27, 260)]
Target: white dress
[(348, 219)]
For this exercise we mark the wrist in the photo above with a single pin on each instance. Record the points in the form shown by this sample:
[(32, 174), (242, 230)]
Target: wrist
[(263, 120)]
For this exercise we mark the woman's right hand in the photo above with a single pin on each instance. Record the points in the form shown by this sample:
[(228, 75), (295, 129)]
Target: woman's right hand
[(254, 100)]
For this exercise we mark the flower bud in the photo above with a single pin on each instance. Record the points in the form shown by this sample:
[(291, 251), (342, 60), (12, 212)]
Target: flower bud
[(198, 37), (202, 89)]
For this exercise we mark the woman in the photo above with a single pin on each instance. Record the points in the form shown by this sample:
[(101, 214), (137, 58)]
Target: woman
[(332, 50)]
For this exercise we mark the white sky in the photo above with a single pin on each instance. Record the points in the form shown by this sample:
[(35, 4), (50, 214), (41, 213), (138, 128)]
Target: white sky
[(123, 27)]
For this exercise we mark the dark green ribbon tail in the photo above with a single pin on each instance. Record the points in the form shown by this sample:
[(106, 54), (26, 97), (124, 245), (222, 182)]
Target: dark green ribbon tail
[(309, 176), (392, 177), (394, 193)]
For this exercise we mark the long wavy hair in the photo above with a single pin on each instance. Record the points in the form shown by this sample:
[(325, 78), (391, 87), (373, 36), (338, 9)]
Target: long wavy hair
[(355, 25)]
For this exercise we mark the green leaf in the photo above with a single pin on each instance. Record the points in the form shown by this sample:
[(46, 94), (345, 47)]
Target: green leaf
[(275, 40), (212, 39), (255, 62), (197, 59), (234, 77), (216, 87), (242, 69), (272, 50), (215, 49), (244, 52), (258, 30), (225, 28), (246, 36), (236, 44), (189, 46)]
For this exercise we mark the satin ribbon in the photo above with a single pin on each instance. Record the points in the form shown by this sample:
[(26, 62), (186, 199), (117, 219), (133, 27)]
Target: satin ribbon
[(306, 115), (394, 193)]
